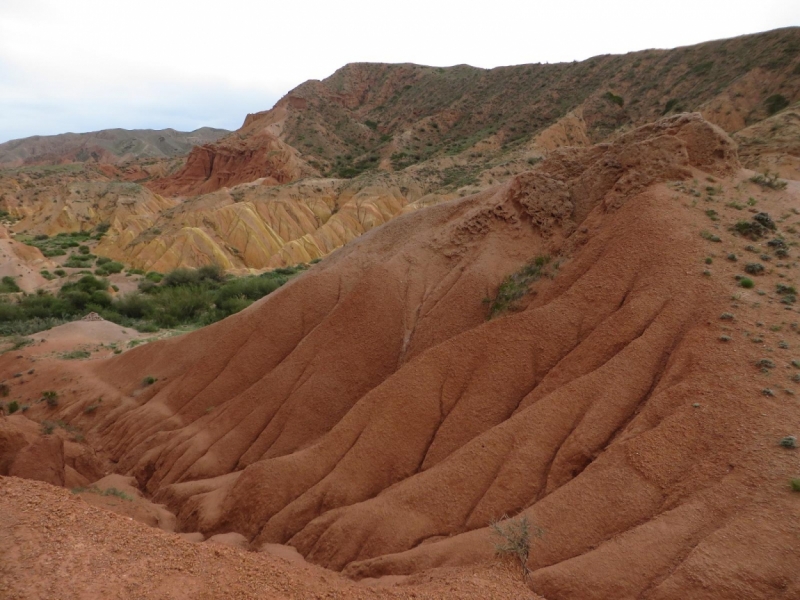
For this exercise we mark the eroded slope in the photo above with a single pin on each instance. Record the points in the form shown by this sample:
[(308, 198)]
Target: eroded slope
[(369, 415)]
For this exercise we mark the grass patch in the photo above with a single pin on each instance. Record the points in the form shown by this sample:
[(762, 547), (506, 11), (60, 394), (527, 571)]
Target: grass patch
[(769, 180), (515, 286), (76, 355)]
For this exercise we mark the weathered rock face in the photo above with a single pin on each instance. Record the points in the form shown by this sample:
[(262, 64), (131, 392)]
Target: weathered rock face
[(368, 406), (233, 161), (43, 460), (258, 226)]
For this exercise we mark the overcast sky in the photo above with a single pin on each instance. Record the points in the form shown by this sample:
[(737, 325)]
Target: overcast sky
[(84, 65)]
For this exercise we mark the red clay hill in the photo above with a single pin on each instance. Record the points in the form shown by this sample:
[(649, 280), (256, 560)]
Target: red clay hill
[(572, 347)]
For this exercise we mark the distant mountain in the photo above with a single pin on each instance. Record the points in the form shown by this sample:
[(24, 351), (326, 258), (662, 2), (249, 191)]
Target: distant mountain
[(107, 146), (460, 121)]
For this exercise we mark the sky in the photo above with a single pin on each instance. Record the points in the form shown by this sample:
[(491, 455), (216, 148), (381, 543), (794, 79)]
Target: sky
[(85, 65)]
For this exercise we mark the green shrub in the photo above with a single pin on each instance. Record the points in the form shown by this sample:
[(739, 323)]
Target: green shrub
[(51, 398), (516, 285), (754, 268), (182, 277), (789, 441), (769, 180), (776, 103), (77, 261), (613, 98), (8, 285), (746, 283), (12, 407), (109, 268)]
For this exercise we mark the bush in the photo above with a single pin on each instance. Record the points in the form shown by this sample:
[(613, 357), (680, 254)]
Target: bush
[(12, 407), (51, 398), (134, 306), (109, 268), (181, 277), (77, 261), (754, 268), (516, 285), (515, 535), (788, 442), (776, 103), (8, 285), (746, 283)]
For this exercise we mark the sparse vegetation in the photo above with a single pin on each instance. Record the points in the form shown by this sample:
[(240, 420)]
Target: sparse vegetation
[(515, 286), (769, 180), (776, 103), (8, 285), (112, 491), (515, 539), (76, 355), (789, 441), (754, 268)]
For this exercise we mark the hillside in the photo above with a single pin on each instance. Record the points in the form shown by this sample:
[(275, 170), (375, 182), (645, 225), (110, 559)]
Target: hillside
[(460, 121), (107, 146), (603, 345), (336, 157)]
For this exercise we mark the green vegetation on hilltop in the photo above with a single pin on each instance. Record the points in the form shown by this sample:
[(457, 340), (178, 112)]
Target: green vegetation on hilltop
[(352, 117)]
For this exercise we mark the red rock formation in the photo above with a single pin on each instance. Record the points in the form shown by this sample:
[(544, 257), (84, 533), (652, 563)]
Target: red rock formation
[(43, 460), (233, 161), (370, 416)]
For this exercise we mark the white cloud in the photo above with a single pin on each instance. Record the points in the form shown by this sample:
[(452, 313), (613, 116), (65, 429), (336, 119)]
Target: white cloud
[(90, 64)]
